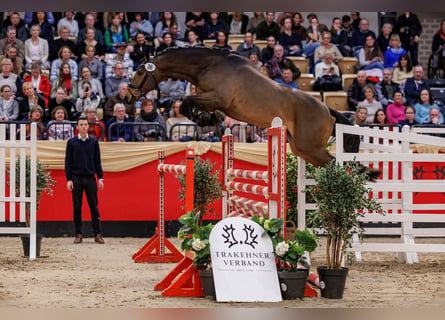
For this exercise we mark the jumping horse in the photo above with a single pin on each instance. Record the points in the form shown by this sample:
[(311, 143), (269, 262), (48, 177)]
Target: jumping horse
[(230, 83)]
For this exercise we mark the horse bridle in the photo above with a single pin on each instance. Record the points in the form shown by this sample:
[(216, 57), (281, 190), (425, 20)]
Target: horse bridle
[(149, 68)]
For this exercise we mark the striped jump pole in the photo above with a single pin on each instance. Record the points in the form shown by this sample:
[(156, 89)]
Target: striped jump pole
[(158, 242)]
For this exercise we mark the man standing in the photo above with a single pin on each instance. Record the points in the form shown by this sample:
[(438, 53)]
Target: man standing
[(82, 165)]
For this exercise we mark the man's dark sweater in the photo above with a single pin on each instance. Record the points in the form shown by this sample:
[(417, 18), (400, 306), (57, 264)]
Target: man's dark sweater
[(83, 158)]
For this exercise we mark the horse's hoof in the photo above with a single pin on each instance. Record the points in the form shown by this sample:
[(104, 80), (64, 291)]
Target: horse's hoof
[(219, 115)]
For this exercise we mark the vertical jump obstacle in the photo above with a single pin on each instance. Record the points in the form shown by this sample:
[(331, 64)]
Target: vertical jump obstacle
[(158, 242)]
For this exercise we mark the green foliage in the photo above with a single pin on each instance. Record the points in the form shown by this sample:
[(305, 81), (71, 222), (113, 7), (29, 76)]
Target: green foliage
[(208, 188), (342, 198), (196, 238)]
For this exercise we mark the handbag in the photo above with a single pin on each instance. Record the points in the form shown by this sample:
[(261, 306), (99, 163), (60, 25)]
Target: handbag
[(331, 82)]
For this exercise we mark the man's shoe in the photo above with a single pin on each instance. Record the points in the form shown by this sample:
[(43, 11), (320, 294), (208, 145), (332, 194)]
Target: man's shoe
[(78, 238), (99, 239)]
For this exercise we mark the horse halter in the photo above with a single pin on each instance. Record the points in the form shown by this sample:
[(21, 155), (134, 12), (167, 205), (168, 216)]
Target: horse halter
[(149, 67)]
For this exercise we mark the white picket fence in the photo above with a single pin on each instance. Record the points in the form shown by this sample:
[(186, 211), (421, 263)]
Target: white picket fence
[(11, 151), (390, 151)]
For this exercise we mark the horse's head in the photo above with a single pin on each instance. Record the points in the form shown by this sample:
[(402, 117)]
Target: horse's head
[(143, 81)]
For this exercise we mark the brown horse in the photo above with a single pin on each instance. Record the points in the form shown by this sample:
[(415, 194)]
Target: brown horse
[(230, 83)]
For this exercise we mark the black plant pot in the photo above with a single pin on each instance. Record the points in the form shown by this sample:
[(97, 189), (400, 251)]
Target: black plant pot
[(292, 284), (25, 244), (332, 282), (208, 286)]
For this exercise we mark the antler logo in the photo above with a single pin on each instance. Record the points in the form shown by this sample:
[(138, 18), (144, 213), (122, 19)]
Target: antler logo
[(250, 236), (150, 67)]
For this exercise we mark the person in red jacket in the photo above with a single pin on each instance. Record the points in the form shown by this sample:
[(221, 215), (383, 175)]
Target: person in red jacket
[(40, 82)]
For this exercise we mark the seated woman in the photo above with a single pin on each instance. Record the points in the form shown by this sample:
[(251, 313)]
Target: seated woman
[(66, 81), (380, 117), (30, 100), (35, 115), (93, 62), (290, 40), (371, 104), (115, 34), (404, 70), (361, 115), (87, 98), (410, 114), (179, 133), (327, 47), (340, 37), (222, 41), (149, 113), (327, 75), (9, 107), (424, 106), (396, 110), (39, 82), (96, 85), (193, 39), (59, 128), (393, 53), (64, 57), (370, 56), (141, 25), (167, 42), (166, 20), (99, 50), (36, 49), (61, 99), (140, 50)]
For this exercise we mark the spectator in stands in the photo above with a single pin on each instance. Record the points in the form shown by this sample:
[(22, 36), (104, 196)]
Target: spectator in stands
[(61, 99), (95, 126), (122, 57), (290, 40), (327, 68), (347, 27), (435, 117), (384, 36), (63, 41), (437, 47), (355, 90), (96, 85), (370, 56), (257, 17), (286, 78), (424, 105), (361, 115), (222, 41), (87, 98), (386, 88), (253, 57), (19, 25), (380, 117), (90, 22), (71, 23), (404, 70), (10, 78), (36, 49), (193, 39), (395, 111), (394, 51), (66, 80), (112, 83), (297, 19), (358, 39), (59, 128), (29, 16), (39, 82), (35, 114), (30, 100), (11, 39), (9, 107), (409, 29), (409, 120), (16, 62), (248, 46), (179, 133), (237, 23), (413, 86), (130, 109), (195, 21), (213, 25), (99, 50), (120, 132), (169, 91), (327, 47), (93, 63), (149, 113), (268, 51), (167, 42), (279, 62), (371, 104), (64, 57), (340, 37), (140, 50), (314, 38), (268, 27), (355, 20), (46, 30), (166, 20), (141, 25), (115, 34)]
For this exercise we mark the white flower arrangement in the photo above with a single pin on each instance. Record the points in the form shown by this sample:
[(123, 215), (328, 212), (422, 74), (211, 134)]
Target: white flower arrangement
[(281, 249), (198, 245)]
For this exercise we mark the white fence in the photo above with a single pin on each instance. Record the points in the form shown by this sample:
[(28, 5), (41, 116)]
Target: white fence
[(390, 151), (11, 151)]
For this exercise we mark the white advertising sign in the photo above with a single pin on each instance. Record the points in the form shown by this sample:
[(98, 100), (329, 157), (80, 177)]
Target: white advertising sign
[(243, 262)]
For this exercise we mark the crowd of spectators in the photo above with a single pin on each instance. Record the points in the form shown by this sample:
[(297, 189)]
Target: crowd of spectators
[(56, 66)]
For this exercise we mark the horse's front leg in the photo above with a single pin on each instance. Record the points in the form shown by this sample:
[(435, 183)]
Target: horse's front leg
[(198, 106)]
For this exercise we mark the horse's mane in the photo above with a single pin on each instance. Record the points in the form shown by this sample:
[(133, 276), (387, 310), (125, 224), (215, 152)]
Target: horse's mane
[(196, 51)]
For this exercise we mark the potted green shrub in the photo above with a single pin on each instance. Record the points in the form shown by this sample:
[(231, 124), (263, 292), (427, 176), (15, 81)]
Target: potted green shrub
[(44, 184), (292, 263), (341, 194)]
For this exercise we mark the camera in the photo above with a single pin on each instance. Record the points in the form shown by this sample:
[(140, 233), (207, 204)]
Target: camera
[(87, 89)]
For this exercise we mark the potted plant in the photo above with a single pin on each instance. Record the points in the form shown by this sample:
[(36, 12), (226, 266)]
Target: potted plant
[(44, 184), (292, 263), (341, 194)]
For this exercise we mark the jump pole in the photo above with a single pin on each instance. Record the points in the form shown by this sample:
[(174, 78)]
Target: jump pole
[(158, 242)]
